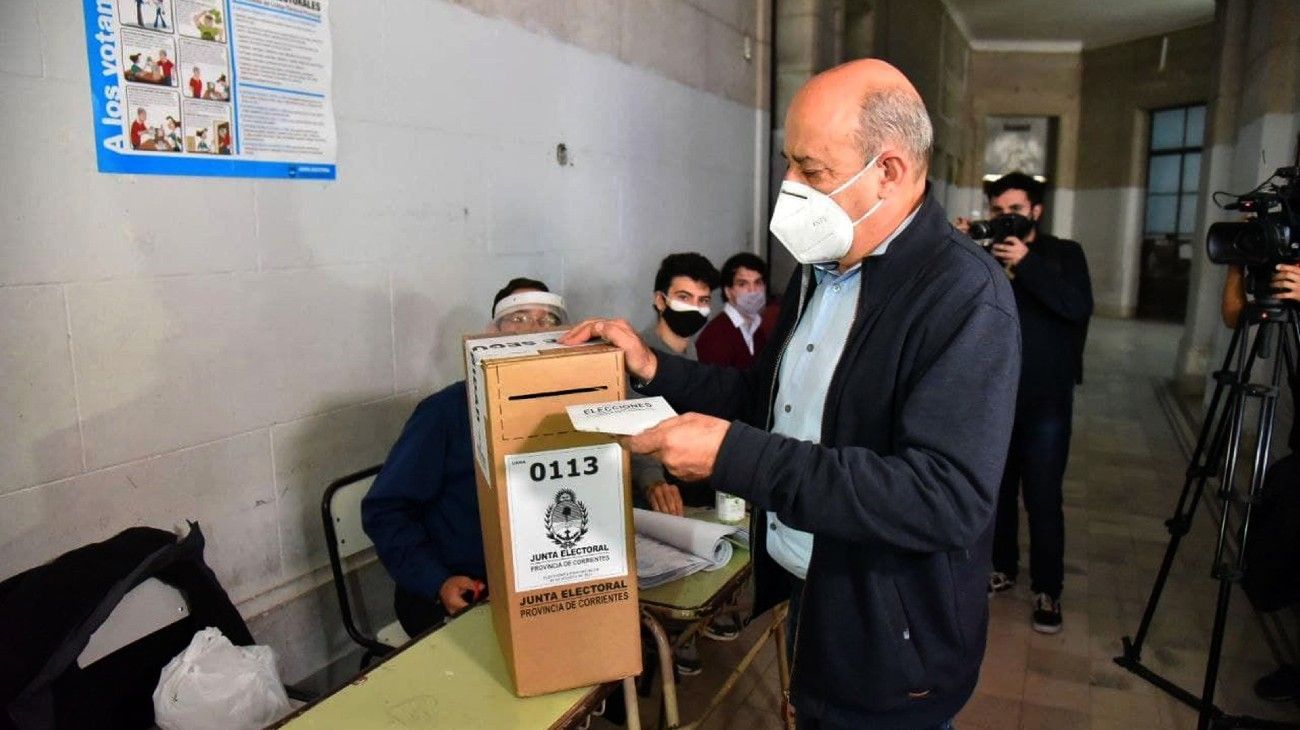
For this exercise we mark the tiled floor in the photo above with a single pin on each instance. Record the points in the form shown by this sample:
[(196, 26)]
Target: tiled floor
[(1125, 473)]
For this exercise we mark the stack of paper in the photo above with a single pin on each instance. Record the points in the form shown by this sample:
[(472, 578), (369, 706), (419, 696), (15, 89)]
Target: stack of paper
[(657, 563), (669, 547)]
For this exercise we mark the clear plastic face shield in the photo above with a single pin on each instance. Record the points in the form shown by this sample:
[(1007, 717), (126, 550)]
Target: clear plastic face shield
[(529, 311)]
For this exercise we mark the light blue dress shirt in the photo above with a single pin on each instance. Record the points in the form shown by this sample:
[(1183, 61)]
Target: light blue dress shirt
[(806, 369)]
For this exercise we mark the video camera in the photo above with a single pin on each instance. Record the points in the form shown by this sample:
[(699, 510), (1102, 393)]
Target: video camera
[(1269, 238), (999, 229)]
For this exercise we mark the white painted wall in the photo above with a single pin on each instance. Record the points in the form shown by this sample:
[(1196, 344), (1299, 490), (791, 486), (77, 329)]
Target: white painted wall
[(1205, 291), (1060, 204), (963, 201), (219, 350), (1107, 223)]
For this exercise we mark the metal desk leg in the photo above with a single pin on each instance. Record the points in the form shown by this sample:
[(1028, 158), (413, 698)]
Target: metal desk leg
[(782, 665), (665, 651), (772, 631), (630, 700)]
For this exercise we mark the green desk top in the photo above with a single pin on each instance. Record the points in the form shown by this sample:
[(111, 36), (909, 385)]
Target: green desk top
[(696, 590), (454, 677)]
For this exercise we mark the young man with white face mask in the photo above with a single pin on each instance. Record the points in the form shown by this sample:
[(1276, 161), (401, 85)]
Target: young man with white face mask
[(876, 423), (733, 337)]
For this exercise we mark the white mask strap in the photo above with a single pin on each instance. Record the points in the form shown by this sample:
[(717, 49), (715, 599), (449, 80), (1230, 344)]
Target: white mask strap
[(853, 179), (679, 306), (870, 210)]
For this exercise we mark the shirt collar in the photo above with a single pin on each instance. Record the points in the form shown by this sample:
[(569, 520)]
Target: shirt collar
[(734, 315), (830, 268), (739, 320)]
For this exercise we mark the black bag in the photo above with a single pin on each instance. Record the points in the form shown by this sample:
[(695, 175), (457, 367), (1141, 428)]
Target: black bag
[(48, 613), (1273, 545)]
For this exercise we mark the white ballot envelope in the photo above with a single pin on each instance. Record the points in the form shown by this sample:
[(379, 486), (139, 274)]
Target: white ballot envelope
[(620, 417)]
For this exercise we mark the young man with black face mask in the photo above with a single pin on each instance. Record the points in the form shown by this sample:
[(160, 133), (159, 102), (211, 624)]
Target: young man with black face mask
[(683, 299), (1049, 277)]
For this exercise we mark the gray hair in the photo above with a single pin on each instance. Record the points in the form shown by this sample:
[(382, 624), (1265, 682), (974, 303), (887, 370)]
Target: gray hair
[(898, 116)]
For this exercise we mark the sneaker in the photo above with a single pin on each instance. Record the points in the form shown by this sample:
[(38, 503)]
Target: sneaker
[(999, 582), (1047, 614), (687, 660), (1279, 685), (723, 627)]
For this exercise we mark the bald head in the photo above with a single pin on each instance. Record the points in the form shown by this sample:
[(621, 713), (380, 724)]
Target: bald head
[(870, 103), (860, 133)]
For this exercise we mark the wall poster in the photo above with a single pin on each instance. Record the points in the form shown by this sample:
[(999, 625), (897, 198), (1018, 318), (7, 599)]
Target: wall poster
[(226, 88)]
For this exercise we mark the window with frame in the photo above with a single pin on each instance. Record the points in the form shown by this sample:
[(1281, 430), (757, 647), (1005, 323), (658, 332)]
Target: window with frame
[(1174, 171)]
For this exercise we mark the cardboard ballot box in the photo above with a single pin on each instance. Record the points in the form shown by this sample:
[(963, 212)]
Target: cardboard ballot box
[(555, 505)]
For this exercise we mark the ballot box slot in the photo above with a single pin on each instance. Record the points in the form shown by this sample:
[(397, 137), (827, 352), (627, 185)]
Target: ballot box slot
[(558, 393)]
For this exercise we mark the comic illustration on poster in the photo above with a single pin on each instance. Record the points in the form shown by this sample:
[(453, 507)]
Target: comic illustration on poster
[(227, 88)]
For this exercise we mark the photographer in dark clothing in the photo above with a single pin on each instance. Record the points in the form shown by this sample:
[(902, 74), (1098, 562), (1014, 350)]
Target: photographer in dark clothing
[(1053, 293)]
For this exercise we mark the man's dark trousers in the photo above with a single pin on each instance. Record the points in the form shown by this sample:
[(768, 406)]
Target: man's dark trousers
[(1040, 447)]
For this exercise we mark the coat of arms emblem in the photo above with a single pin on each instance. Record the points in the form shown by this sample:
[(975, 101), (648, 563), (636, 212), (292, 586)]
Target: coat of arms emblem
[(566, 520)]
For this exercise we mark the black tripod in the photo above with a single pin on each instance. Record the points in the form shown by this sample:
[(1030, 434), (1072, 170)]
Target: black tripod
[(1270, 332)]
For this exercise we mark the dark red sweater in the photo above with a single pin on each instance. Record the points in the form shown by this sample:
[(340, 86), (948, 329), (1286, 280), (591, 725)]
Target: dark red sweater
[(720, 343)]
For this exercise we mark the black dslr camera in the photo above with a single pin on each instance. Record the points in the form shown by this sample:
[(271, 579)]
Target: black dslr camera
[(1269, 238), (996, 230)]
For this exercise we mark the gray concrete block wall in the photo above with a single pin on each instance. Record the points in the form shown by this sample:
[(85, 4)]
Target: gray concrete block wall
[(659, 35), (220, 349)]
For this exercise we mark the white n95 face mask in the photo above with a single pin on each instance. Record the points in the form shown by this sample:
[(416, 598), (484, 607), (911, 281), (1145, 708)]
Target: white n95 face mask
[(811, 225)]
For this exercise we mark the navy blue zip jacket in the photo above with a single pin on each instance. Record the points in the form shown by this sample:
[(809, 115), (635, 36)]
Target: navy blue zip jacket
[(901, 490), (422, 510)]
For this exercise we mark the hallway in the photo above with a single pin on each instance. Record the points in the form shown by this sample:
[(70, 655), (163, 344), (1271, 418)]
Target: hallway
[(1125, 472)]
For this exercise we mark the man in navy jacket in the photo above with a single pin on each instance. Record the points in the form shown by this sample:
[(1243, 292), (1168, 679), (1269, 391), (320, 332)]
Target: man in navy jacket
[(422, 510), (898, 485)]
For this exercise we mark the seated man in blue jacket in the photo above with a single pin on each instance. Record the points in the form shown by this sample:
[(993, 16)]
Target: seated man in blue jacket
[(422, 511), (877, 425)]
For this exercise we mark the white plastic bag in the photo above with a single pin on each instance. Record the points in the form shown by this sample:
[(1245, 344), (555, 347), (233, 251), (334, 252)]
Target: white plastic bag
[(215, 685)]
